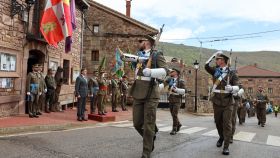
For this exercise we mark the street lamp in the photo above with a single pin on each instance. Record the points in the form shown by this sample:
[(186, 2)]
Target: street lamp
[(196, 67)]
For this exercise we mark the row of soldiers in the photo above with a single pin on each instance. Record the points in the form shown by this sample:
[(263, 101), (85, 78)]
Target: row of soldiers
[(98, 88), (40, 91), (228, 100)]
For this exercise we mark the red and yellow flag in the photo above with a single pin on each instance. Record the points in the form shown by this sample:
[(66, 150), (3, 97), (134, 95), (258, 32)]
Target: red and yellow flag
[(56, 21)]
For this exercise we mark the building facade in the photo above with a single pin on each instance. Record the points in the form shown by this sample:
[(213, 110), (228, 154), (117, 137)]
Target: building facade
[(106, 30), (252, 77), (22, 45)]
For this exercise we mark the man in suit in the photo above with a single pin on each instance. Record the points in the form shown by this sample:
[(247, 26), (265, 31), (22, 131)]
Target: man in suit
[(151, 67), (225, 85), (81, 90)]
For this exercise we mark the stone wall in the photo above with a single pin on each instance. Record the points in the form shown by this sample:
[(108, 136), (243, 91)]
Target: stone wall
[(106, 44), (254, 82), (203, 106), (13, 41)]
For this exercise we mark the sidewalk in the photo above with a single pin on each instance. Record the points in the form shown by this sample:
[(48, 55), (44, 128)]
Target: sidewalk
[(52, 121)]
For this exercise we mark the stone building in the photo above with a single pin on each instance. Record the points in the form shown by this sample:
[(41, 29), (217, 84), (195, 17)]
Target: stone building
[(22, 45), (204, 83), (107, 30), (252, 76)]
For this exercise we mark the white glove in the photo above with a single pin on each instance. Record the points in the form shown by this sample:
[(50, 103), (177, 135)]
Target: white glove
[(142, 59), (228, 88), (147, 72), (45, 90), (161, 86), (28, 93), (40, 93)]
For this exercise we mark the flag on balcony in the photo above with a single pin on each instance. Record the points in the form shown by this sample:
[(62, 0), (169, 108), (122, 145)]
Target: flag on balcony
[(56, 21), (68, 40)]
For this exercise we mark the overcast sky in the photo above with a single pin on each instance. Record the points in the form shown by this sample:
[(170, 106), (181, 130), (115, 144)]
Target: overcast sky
[(186, 20)]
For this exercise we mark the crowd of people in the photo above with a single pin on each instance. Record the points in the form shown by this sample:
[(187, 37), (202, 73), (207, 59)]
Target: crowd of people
[(98, 88), (151, 76)]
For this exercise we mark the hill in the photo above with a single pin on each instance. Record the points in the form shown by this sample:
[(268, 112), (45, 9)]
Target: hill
[(264, 59)]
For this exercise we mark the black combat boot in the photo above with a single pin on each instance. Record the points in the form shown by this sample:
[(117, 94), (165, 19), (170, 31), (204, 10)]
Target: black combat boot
[(220, 142), (179, 127), (174, 131), (225, 151)]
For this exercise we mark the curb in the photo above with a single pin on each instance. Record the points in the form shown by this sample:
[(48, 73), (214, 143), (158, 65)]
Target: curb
[(40, 128)]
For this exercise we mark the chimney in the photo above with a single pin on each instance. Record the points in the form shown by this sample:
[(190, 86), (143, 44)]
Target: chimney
[(255, 65), (128, 7)]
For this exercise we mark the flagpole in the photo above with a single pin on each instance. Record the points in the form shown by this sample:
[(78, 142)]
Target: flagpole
[(82, 40)]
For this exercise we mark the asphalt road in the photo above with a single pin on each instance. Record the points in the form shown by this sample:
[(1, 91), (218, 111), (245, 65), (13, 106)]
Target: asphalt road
[(120, 140)]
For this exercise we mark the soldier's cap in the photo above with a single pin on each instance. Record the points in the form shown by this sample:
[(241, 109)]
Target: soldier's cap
[(40, 65), (35, 65), (102, 71), (147, 38), (174, 60), (222, 56), (175, 69)]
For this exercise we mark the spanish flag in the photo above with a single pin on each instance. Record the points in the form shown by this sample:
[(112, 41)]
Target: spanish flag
[(56, 21)]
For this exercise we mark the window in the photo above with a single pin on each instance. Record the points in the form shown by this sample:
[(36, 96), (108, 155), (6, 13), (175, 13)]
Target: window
[(190, 71), (270, 90), (53, 65), (269, 80), (250, 90), (6, 83), (7, 62), (66, 70), (95, 55), (250, 80), (96, 29)]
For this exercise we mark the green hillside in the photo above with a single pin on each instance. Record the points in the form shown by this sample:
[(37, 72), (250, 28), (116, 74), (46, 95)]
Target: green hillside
[(264, 59)]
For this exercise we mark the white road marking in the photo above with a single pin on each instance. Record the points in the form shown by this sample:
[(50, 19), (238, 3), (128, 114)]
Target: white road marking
[(244, 136), (273, 140), (192, 130), (123, 125), (213, 133), (165, 129)]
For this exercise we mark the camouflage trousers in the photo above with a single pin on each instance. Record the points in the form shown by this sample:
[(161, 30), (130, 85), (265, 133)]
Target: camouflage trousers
[(261, 114), (233, 119)]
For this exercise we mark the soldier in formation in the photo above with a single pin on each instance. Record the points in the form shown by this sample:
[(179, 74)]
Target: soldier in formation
[(176, 87), (225, 85), (261, 100), (32, 91), (93, 89), (42, 90), (237, 103), (115, 92), (124, 92), (50, 95), (151, 67), (101, 95)]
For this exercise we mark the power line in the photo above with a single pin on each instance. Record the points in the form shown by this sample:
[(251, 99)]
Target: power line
[(226, 36), (229, 39)]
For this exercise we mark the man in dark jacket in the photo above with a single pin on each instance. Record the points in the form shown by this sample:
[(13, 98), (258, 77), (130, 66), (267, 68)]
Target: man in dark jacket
[(81, 91), (51, 86)]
